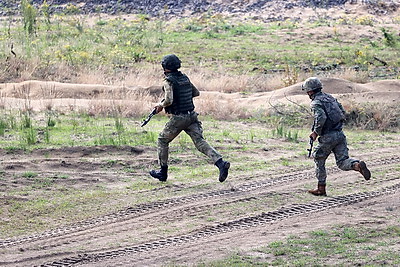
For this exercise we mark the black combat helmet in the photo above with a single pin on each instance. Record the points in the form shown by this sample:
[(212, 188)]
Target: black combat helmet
[(171, 62)]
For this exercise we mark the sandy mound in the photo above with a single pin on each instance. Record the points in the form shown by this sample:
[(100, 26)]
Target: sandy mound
[(384, 92), (40, 90), (15, 95), (41, 95)]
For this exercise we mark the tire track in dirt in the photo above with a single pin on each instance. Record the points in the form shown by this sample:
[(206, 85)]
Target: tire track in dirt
[(153, 207), (240, 224), (136, 217), (174, 215), (374, 213)]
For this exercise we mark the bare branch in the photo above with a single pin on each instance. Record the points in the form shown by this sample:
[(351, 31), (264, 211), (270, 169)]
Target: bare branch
[(12, 51), (300, 106)]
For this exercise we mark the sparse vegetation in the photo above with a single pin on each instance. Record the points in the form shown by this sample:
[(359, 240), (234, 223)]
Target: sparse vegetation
[(29, 16), (65, 166), (342, 245), (234, 47), (240, 144)]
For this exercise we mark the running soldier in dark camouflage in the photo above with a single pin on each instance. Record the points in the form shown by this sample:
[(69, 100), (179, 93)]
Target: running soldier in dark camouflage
[(178, 101), (328, 122)]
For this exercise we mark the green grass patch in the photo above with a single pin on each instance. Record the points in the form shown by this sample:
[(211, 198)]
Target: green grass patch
[(250, 146), (340, 246), (238, 47)]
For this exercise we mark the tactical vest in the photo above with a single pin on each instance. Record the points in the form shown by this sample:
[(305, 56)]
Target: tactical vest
[(335, 116), (182, 93)]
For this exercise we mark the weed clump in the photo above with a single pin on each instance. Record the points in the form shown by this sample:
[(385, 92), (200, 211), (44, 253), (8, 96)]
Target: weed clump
[(373, 116)]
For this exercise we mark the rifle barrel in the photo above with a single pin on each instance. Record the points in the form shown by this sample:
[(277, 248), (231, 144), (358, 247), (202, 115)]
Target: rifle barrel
[(152, 113)]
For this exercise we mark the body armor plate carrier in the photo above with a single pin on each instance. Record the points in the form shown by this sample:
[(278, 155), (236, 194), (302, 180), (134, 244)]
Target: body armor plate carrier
[(182, 93)]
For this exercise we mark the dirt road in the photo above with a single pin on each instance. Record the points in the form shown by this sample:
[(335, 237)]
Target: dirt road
[(193, 223)]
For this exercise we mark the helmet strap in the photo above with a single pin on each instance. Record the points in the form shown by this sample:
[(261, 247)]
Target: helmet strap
[(312, 95)]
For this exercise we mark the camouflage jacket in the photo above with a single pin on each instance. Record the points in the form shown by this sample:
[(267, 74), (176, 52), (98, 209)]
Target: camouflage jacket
[(328, 113)]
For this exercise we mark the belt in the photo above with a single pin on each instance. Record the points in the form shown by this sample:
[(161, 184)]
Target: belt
[(182, 112), (331, 131)]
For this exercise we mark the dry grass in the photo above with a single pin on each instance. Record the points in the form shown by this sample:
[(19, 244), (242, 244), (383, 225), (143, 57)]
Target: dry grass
[(205, 80), (137, 90), (15, 69), (49, 93), (122, 104), (24, 93), (251, 82), (146, 76), (217, 81), (91, 77), (373, 116), (353, 76), (10, 69), (2, 101), (117, 108), (222, 110)]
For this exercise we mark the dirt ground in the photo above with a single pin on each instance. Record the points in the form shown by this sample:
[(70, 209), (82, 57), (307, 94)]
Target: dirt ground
[(192, 222), (139, 235)]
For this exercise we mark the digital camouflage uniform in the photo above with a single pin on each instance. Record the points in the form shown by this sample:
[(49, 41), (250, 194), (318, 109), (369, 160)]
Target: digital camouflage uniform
[(328, 121)]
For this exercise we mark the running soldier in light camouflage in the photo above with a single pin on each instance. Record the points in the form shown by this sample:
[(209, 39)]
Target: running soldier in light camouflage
[(328, 123), (178, 101)]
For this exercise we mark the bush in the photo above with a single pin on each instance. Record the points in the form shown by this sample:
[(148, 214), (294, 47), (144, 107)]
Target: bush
[(373, 116), (29, 14)]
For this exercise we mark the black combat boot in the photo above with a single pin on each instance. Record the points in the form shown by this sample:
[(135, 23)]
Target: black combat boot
[(161, 175), (223, 167)]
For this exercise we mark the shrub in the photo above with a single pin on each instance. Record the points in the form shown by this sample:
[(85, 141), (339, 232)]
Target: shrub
[(365, 20), (373, 116), (390, 39), (29, 15)]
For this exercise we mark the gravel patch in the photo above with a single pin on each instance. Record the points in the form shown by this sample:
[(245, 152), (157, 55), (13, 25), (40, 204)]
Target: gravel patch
[(181, 8)]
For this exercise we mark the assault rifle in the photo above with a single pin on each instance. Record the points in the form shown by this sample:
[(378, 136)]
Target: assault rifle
[(311, 142), (152, 113)]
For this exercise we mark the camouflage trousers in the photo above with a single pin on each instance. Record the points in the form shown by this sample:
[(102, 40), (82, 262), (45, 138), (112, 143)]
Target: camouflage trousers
[(192, 126), (332, 142)]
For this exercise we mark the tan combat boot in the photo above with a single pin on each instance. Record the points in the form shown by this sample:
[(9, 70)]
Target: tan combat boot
[(362, 168), (319, 191)]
